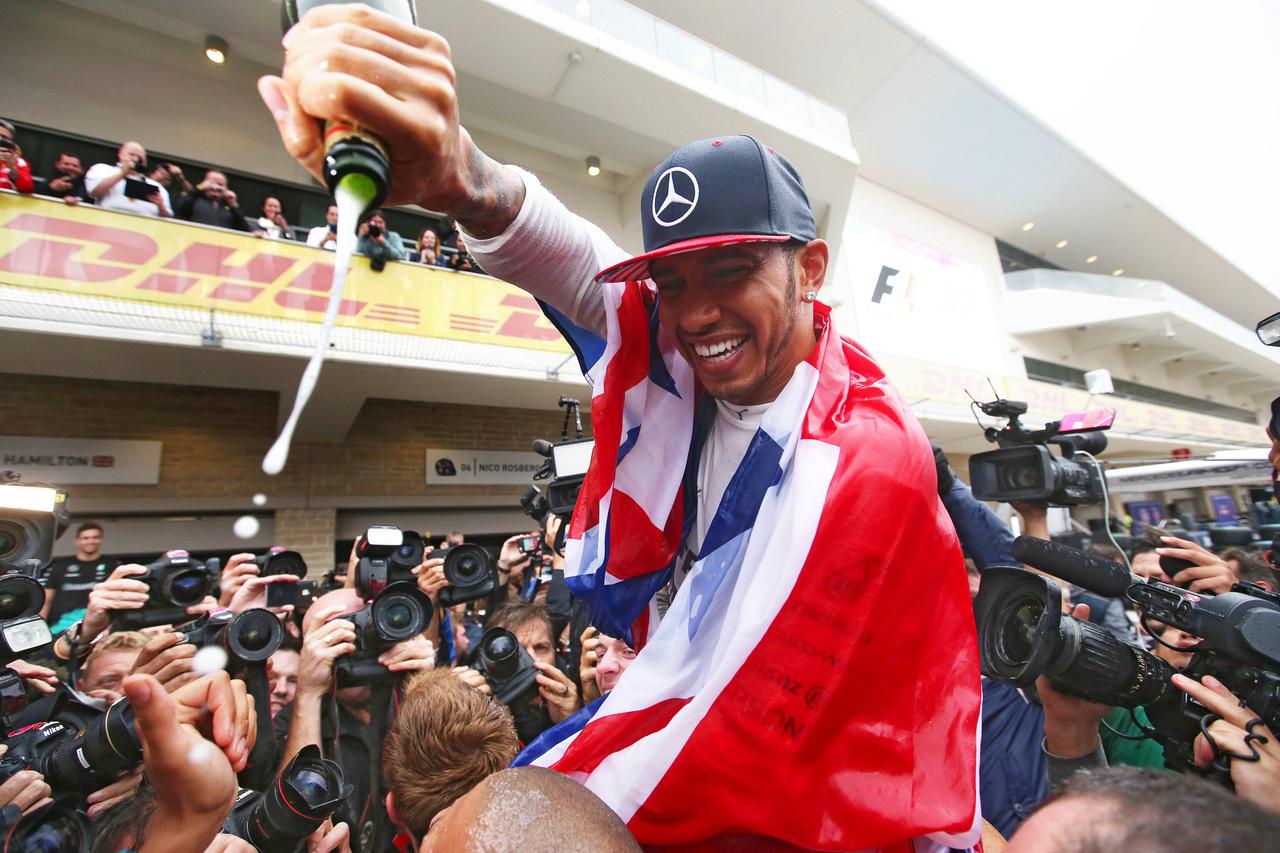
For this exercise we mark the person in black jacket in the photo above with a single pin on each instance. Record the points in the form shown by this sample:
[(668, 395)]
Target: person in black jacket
[(212, 203)]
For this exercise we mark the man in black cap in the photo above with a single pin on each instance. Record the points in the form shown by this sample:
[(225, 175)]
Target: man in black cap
[(722, 351)]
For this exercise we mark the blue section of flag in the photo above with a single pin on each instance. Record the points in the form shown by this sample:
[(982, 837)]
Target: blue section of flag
[(587, 346), (658, 373), (633, 435), (557, 733)]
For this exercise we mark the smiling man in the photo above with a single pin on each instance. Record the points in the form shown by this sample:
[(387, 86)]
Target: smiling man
[(760, 519)]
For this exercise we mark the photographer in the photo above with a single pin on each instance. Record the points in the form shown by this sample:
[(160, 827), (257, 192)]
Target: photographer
[(124, 186), (346, 719), (377, 243), (556, 698), (111, 661), (15, 172), (67, 180), (602, 663), (211, 202)]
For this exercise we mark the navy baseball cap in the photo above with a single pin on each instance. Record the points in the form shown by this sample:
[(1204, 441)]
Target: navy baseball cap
[(717, 192)]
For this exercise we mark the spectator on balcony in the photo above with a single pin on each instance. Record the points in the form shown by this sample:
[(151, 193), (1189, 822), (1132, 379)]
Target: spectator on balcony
[(67, 180), (325, 236), (124, 186), (170, 177), (211, 202), (15, 173), (462, 261), (429, 248), (378, 244), (271, 224)]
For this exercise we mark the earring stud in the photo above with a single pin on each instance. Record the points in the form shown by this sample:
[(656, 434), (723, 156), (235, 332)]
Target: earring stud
[(810, 295)]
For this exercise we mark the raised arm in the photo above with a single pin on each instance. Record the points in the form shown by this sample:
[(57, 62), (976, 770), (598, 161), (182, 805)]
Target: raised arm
[(351, 63)]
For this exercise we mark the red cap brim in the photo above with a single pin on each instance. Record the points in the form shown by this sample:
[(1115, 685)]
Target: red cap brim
[(637, 268)]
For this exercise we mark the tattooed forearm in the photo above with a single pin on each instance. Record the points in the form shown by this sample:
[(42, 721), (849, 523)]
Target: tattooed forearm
[(494, 197)]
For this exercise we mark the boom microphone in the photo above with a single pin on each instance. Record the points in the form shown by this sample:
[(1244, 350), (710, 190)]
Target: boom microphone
[(1094, 573), (542, 447)]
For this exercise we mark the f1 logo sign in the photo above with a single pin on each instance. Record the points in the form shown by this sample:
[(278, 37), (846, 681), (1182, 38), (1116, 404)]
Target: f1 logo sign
[(883, 287)]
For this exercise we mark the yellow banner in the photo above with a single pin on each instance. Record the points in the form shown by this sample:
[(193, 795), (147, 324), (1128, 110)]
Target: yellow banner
[(48, 245)]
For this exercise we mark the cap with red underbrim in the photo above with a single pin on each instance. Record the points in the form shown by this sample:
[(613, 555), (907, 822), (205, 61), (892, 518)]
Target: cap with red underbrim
[(718, 192)]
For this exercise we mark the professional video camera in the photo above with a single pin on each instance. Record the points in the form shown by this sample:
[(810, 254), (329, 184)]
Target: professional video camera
[(58, 827), (1024, 469), (248, 637), (566, 468), (281, 561), (174, 582), (505, 665), (278, 820), (32, 516), (400, 612), (1022, 634), (387, 555)]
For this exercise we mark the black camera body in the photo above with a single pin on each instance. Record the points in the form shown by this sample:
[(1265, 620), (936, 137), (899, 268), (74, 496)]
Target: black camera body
[(387, 555), (1025, 469), (175, 582), (248, 637), (400, 612), (281, 561), (72, 754), (32, 516), (506, 666), (374, 231), (1022, 634), (307, 792), (471, 573)]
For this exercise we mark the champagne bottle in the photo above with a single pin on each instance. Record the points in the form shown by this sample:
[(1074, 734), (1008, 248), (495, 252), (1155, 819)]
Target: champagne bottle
[(353, 153)]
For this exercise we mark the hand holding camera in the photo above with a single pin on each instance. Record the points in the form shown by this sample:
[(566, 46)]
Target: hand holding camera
[(167, 658), (592, 649), (239, 569), (513, 557), (39, 678), (557, 690), (431, 578), (253, 593), (1255, 770), (118, 592), (323, 645), (1207, 572), (25, 789)]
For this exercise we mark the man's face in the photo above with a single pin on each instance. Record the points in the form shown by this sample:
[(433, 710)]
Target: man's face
[(737, 317), (331, 214), (377, 220), (5, 133), (282, 672), (89, 543), (215, 184), (1147, 565), (536, 640), (135, 152), (615, 660), (69, 165), (271, 208), (104, 676)]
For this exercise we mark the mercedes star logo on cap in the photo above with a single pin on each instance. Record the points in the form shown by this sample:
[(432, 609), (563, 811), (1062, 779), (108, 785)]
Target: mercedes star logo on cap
[(674, 196)]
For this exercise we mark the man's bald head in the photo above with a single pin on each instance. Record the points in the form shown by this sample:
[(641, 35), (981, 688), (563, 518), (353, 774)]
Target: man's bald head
[(529, 809), (348, 599)]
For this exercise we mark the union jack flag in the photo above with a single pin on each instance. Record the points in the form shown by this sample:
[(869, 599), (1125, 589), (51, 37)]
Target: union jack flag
[(814, 682)]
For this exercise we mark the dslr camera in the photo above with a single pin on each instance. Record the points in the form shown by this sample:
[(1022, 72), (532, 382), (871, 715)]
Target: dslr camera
[(387, 555), (1024, 469), (75, 748), (399, 612), (248, 637), (1022, 634), (174, 582), (471, 573), (307, 792), (281, 561), (505, 665)]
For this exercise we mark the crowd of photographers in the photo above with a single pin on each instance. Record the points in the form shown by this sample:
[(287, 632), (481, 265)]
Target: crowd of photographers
[(346, 712)]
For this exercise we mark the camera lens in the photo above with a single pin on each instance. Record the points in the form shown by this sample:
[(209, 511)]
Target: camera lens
[(466, 565), (307, 791), (188, 587), (285, 563), (314, 787), (501, 654), (399, 614), (1017, 625), (51, 832), (1020, 476), (12, 540), (19, 596), (254, 635)]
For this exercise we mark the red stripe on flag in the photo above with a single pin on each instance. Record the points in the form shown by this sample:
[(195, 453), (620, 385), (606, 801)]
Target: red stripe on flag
[(606, 735)]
